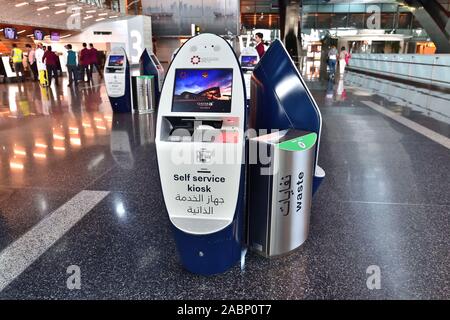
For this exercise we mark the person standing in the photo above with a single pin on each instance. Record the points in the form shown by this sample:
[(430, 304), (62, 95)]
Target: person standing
[(344, 57), (40, 64), (85, 62), (94, 60), (332, 59), (17, 58), (72, 68), (32, 61), (51, 61), (260, 44)]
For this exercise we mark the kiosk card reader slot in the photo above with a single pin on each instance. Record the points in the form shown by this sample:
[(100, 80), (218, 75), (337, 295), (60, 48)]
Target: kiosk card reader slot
[(192, 129), (200, 146)]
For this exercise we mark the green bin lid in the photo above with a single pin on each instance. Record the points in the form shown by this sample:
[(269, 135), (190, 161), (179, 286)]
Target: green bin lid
[(301, 143)]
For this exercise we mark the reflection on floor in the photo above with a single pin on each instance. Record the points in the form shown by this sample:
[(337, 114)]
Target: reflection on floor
[(384, 202)]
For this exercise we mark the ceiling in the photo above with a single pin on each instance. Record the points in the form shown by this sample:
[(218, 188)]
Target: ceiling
[(56, 14)]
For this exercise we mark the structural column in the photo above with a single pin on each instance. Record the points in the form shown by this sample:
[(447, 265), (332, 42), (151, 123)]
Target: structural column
[(289, 27)]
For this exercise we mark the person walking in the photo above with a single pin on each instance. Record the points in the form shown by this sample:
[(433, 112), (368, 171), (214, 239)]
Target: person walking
[(260, 44), (332, 59), (40, 64), (93, 54), (85, 62), (51, 61), (344, 57), (32, 62), (72, 66), (17, 58)]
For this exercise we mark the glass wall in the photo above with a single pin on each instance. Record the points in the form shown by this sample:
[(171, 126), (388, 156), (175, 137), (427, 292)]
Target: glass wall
[(174, 17), (353, 16), (107, 4)]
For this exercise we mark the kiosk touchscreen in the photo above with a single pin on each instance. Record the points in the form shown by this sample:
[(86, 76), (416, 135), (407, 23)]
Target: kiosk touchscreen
[(249, 62), (249, 58), (117, 81), (150, 66), (200, 146)]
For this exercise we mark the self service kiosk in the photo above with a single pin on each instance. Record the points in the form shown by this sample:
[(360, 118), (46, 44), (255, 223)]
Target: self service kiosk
[(117, 81), (249, 59), (200, 146), (150, 66)]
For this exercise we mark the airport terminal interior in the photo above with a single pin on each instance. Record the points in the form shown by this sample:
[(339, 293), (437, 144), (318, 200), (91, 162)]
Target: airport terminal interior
[(114, 116)]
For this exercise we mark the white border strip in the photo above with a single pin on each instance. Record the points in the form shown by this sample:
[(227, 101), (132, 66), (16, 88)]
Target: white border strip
[(430, 134), (19, 255)]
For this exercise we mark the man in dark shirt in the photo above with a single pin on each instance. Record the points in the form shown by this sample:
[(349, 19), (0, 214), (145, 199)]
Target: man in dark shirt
[(93, 53), (51, 61), (260, 44), (85, 62)]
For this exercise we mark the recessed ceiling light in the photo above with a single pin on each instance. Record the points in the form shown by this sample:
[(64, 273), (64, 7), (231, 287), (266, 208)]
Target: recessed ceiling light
[(22, 4), (60, 11), (42, 8)]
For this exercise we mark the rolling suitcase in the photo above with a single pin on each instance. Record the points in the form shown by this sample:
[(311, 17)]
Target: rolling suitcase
[(43, 78)]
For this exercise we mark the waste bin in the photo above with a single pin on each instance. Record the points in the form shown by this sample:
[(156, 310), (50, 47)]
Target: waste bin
[(145, 101), (280, 190)]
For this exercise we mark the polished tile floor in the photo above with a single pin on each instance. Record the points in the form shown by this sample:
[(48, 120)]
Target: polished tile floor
[(385, 202)]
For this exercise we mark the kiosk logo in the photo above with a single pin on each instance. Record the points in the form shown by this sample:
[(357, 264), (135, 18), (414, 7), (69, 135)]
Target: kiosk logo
[(195, 60)]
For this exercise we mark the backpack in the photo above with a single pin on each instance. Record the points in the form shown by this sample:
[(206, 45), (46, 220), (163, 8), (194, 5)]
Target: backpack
[(347, 57)]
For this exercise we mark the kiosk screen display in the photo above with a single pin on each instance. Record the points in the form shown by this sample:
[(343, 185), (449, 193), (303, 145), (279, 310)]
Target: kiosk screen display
[(116, 61), (248, 61), (202, 90)]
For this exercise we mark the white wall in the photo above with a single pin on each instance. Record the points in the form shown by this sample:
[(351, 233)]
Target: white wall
[(133, 33)]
